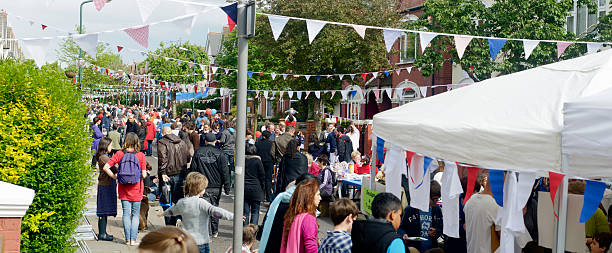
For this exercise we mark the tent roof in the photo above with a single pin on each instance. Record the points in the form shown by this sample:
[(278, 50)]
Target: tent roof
[(510, 122)]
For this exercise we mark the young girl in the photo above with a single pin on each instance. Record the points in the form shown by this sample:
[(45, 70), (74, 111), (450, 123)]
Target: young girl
[(248, 239), (300, 224), (107, 189), (196, 211), (168, 240), (129, 194)]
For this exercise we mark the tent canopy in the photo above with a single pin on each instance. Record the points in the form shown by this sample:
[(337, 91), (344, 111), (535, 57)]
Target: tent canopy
[(510, 122)]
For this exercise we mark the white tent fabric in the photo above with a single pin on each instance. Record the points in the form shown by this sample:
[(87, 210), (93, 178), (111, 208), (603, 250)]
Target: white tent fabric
[(587, 135), (511, 122)]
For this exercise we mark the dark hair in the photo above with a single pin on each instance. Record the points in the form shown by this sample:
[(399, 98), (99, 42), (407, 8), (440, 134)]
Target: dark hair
[(340, 129), (96, 119), (165, 119), (190, 125), (435, 250), (434, 189), (384, 203), (102, 147), (313, 138), (464, 181), (339, 210), (291, 148), (323, 159), (290, 117), (265, 134), (603, 239), (250, 149)]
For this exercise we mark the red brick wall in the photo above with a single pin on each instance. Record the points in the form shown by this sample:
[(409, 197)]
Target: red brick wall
[(10, 231)]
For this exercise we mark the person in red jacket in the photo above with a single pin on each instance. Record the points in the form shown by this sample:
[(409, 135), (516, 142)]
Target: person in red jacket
[(149, 137)]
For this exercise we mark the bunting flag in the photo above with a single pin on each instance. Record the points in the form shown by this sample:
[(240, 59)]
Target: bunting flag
[(360, 29), (380, 148), (425, 39), (389, 92), (386, 73), (555, 180), (529, 46), (257, 93), (88, 43), (232, 15), (353, 93), (450, 194), (185, 23), (395, 167), (374, 74), (398, 71), (214, 69), (390, 37), (472, 174), (227, 71), (419, 182), (593, 193), (318, 78), (495, 45), (36, 49), (119, 48), (139, 34), (265, 93), (290, 94), (461, 43), (307, 93), (376, 93), (146, 8), (352, 76), (280, 94), (364, 76), (333, 92), (496, 177), (44, 27), (593, 47), (307, 77), (409, 69), (277, 24), (314, 27), (250, 74), (191, 64), (561, 46), (284, 76), (299, 95), (273, 75), (99, 4), (423, 90), (344, 94), (318, 94), (340, 76)]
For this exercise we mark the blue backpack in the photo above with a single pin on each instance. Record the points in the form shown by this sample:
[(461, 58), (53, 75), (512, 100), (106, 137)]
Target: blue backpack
[(129, 171)]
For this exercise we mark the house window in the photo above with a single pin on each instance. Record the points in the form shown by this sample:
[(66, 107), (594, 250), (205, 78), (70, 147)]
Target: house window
[(581, 21), (269, 108), (408, 48)]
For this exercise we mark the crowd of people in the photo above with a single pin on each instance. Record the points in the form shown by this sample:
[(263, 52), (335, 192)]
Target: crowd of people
[(297, 184)]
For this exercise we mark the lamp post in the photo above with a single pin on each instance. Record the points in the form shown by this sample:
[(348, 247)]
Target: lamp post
[(193, 75), (81, 32)]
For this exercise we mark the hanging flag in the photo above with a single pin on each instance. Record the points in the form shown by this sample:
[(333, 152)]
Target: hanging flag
[(277, 24), (593, 193), (352, 76), (376, 93), (380, 145), (561, 46), (299, 95), (99, 4), (87, 42), (425, 39), (119, 48), (395, 167), (398, 71), (318, 94), (364, 76), (450, 194), (191, 64), (139, 34), (374, 74), (360, 29), (307, 78), (307, 93), (593, 47), (386, 73), (340, 76), (461, 42), (227, 71), (250, 74), (273, 75), (409, 69), (495, 45), (146, 8), (185, 22), (314, 27), (284, 76), (344, 94), (290, 94), (423, 90), (232, 15), (318, 78), (529, 46), (36, 49), (389, 92), (265, 93), (280, 94), (214, 69), (353, 93), (333, 92), (390, 36), (555, 180), (44, 27), (496, 178)]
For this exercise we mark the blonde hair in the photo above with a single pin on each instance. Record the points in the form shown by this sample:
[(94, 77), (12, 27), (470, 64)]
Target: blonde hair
[(195, 183), (248, 234), (166, 130), (169, 240), (355, 154)]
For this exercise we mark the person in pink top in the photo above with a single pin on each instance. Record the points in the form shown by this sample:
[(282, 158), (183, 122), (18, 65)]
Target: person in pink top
[(130, 194), (300, 224)]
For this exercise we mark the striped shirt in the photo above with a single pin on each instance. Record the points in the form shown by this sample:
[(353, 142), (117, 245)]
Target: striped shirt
[(336, 242)]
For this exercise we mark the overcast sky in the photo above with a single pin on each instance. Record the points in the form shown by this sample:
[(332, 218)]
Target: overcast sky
[(64, 14)]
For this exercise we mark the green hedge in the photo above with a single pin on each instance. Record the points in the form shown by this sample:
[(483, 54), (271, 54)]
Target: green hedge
[(44, 146)]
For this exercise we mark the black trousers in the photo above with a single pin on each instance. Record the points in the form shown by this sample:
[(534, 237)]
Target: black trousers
[(213, 195), (176, 188), (269, 172)]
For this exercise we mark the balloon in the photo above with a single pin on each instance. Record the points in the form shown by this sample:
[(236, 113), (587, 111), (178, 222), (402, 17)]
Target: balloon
[(257, 134), (213, 111), (208, 111)]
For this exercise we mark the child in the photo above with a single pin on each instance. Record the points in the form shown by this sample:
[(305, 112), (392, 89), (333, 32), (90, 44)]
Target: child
[(196, 211), (326, 177), (342, 212), (168, 240), (417, 223), (379, 235), (601, 242), (248, 238)]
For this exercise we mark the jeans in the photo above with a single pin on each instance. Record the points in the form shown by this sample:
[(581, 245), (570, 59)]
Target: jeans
[(251, 212), (213, 195), (269, 173), (176, 191), (230, 159), (204, 248), (131, 218), (149, 148)]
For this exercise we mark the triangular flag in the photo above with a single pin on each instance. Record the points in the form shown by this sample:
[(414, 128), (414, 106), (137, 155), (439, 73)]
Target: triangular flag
[(495, 45), (119, 48), (307, 93), (227, 71), (555, 180), (529, 46), (333, 92), (146, 8), (376, 93), (284, 76), (390, 37), (386, 73), (280, 94), (87, 42), (179, 62), (593, 193), (389, 92), (409, 69), (472, 173), (593, 47), (257, 93), (375, 74), (250, 74), (277, 24), (398, 71), (561, 46), (99, 4), (461, 42), (37, 49), (214, 69), (191, 64), (353, 93), (423, 90), (318, 78), (273, 75), (44, 27), (265, 93), (299, 95), (344, 94), (496, 178), (290, 94), (185, 22), (352, 76), (314, 27), (364, 76), (425, 38), (360, 29), (232, 15), (318, 94), (307, 77), (139, 34), (340, 76), (380, 146)]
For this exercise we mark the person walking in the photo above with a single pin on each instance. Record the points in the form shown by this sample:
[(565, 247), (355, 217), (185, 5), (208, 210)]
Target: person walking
[(149, 137), (353, 133), (291, 166), (212, 163), (106, 202), (228, 143), (97, 134), (300, 225), (173, 154), (115, 136), (131, 171), (254, 178), (263, 146)]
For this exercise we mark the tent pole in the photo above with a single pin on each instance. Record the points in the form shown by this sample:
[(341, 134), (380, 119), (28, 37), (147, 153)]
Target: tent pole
[(562, 207), (373, 166)]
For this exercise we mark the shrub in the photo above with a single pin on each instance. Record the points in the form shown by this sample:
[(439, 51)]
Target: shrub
[(44, 146)]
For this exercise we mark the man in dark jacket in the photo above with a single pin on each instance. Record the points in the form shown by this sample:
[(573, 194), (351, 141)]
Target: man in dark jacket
[(228, 143), (173, 154), (279, 148), (330, 144), (416, 223), (212, 163), (264, 145), (379, 234), (344, 145)]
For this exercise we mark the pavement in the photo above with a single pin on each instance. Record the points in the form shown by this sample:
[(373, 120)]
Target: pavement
[(115, 225)]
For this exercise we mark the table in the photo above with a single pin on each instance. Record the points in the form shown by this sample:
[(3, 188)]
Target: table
[(355, 183)]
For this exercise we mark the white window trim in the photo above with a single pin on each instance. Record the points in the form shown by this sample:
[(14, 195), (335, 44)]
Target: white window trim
[(574, 14), (404, 38)]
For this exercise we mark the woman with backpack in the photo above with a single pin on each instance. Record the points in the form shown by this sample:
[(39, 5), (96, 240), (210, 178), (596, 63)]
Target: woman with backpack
[(132, 169)]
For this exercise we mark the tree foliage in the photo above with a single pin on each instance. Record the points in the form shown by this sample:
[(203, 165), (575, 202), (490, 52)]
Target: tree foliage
[(161, 66)]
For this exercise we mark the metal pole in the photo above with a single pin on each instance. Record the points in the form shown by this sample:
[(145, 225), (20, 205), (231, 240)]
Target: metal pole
[(560, 227), (243, 55), (194, 83), (81, 32)]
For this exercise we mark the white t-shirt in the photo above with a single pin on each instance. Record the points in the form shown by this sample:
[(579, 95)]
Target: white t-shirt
[(354, 138), (480, 213)]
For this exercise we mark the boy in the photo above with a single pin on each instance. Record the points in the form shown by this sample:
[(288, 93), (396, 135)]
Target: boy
[(342, 213), (428, 225), (380, 234), (601, 242)]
